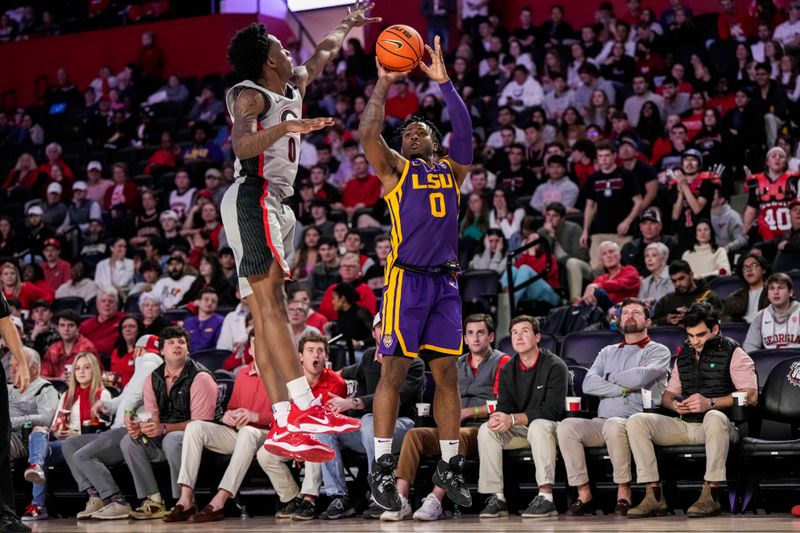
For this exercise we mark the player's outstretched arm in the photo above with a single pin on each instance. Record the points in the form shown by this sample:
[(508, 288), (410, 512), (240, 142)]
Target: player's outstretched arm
[(387, 163), (248, 141), (460, 155), (329, 47)]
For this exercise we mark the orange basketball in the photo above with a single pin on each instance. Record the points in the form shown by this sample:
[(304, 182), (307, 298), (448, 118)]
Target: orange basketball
[(399, 48)]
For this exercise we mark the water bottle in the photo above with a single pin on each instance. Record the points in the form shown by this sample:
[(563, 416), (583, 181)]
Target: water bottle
[(456, 511), (243, 512)]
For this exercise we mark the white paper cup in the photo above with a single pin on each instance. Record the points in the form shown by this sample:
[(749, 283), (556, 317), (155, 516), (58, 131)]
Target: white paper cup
[(491, 406), (423, 409), (144, 416), (647, 399), (740, 398), (573, 403), (328, 365)]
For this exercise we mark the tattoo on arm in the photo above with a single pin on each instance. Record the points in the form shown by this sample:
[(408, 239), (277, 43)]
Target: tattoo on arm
[(246, 139), (378, 153)]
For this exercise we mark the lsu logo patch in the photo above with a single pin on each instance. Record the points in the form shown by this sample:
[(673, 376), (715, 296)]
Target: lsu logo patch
[(794, 374), (387, 341)]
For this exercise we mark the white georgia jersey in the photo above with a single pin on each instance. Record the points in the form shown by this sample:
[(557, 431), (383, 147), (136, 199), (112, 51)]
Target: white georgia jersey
[(278, 163)]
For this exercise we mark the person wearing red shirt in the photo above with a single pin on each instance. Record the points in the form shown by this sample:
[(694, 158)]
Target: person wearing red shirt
[(350, 272), (619, 282), (693, 118), (164, 159), (102, 329), (403, 104), (25, 292), (56, 270), (735, 24), (54, 152), (65, 351), (315, 318), (124, 354), (362, 189), (123, 194)]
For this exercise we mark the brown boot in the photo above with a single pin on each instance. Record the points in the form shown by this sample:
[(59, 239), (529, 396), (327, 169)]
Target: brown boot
[(653, 504), (707, 504)]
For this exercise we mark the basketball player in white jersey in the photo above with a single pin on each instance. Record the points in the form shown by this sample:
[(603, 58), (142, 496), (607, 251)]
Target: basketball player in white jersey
[(266, 110)]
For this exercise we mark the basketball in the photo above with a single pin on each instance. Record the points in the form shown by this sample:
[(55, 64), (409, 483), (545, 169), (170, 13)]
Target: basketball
[(399, 48)]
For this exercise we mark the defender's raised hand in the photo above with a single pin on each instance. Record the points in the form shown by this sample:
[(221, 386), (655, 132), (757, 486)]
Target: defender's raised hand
[(357, 14), (436, 70)]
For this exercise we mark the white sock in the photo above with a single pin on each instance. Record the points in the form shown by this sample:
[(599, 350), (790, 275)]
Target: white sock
[(156, 497), (546, 495), (449, 449), (382, 447), (300, 392), (500, 496), (280, 411)]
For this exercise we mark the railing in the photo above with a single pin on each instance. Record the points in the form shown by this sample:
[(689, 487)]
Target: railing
[(512, 256), (304, 33)]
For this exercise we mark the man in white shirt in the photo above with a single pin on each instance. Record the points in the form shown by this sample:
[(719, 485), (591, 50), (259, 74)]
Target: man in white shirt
[(170, 290), (641, 94), (777, 325), (522, 91), (505, 117), (788, 32), (234, 327)]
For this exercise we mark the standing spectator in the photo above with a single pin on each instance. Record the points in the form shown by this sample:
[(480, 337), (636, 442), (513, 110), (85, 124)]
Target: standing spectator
[(56, 270), (776, 326), (742, 305), (363, 189), (117, 271), (102, 329), (769, 195), (78, 284), (613, 202), (150, 59), (204, 328), (692, 193), (71, 344)]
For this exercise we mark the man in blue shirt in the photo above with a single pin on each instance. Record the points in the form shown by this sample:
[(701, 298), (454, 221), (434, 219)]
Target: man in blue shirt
[(204, 328)]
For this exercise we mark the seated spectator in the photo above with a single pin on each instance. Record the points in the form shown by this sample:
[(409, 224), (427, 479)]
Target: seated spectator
[(619, 282), (54, 210), (788, 256), (375, 273), (150, 272), (202, 152), (171, 289), (618, 376), (182, 196), (529, 265), (61, 355), (650, 227), (102, 328), (122, 358), (210, 276), (669, 310), (207, 108), (700, 398), (85, 388), (35, 233), (117, 271), (507, 216), (362, 189), (242, 353), (23, 291), (558, 188), (79, 213), (10, 242), (492, 255), (742, 305), (96, 186), (658, 282), (776, 326), (165, 417), (298, 320), (366, 374), (89, 456), (564, 239), (165, 159), (522, 92), (298, 502), (402, 104), (78, 284), (203, 218), (705, 257), (43, 332), (121, 198), (36, 406), (228, 264), (234, 327), (530, 400), (25, 174), (215, 185), (727, 224), (146, 222), (244, 427), (305, 258), (204, 328), (349, 272), (56, 270), (478, 381), (513, 171), (173, 92), (54, 154), (353, 319), (315, 318)]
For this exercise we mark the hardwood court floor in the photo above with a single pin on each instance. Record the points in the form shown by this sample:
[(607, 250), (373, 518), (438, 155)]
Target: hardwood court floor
[(765, 523)]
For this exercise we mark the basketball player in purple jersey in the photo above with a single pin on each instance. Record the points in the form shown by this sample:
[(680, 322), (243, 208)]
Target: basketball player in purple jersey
[(266, 108), (421, 308)]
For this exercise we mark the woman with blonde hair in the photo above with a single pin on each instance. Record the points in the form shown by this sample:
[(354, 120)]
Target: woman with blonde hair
[(74, 413), (13, 287)]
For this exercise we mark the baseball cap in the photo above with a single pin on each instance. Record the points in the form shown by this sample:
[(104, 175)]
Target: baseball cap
[(169, 213), (94, 165), (630, 141), (54, 187), (214, 172), (651, 213), (52, 241), (35, 210), (149, 343), (693, 152), (79, 186), (205, 193), (40, 303)]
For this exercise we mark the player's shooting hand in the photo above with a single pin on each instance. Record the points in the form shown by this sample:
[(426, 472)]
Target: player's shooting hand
[(436, 70), (388, 77), (357, 14), (307, 125)]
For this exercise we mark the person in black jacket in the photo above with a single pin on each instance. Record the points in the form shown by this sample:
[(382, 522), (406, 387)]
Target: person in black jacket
[(211, 275), (366, 373), (530, 401)]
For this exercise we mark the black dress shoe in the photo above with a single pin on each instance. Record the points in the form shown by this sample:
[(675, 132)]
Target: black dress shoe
[(12, 524), (580, 508), (622, 508)]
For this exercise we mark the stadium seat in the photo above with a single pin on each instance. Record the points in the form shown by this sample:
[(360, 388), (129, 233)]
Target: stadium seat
[(224, 391), (724, 286), (795, 275), (59, 385), (368, 237), (174, 315), (735, 330), (582, 347), (74, 303), (549, 342), (504, 345), (132, 303), (479, 291), (670, 336), (211, 359), (766, 360), (223, 374)]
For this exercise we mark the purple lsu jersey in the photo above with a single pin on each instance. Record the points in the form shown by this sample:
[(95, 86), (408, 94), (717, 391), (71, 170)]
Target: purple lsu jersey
[(424, 212)]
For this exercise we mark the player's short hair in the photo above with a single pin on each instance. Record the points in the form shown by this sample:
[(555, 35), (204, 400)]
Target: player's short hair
[(248, 51)]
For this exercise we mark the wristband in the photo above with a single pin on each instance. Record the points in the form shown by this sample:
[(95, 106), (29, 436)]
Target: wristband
[(477, 412), (513, 422)]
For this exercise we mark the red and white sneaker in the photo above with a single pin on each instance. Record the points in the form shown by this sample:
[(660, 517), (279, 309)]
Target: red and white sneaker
[(320, 419), (297, 446)]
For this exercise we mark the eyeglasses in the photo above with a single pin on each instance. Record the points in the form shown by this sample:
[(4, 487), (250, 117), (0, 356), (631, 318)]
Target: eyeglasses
[(348, 266), (751, 266)]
